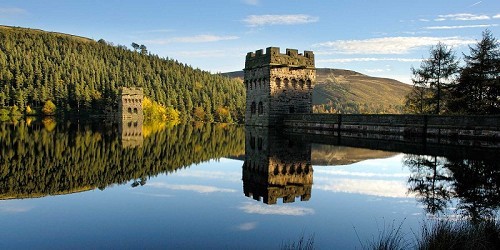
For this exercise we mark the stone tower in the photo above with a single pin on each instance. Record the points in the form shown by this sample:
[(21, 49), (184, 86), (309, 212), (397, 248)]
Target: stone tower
[(276, 167), (277, 84), (130, 117), (130, 102)]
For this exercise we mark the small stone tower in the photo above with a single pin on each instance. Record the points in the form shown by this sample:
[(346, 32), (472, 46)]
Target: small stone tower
[(130, 117), (130, 102), (277, 84)]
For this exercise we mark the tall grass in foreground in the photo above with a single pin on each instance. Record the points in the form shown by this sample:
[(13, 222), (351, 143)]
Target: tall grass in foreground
[(460, 235), (302, 244), (389, 237), (441, 235)]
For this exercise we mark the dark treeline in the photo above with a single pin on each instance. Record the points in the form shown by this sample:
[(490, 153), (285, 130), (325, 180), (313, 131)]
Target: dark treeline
[(38, 160), (81, 75)]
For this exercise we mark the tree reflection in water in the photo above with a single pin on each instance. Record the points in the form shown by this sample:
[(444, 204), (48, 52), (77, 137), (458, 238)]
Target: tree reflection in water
[(36, 161), (474, 183)]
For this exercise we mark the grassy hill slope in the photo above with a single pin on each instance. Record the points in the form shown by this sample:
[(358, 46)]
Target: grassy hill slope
[(346, 91)]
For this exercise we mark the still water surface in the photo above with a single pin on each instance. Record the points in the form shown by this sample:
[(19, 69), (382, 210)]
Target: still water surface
[(206, 186)]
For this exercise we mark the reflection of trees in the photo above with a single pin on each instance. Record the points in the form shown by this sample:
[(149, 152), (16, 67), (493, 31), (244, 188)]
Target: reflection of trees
[(475, 183), (430, 181), (74, 157)]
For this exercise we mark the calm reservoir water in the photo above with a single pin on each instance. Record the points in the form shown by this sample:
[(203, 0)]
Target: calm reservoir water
[(70, 185)]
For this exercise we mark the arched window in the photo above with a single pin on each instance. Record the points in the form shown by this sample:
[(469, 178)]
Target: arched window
[(308, 84), (252, 142), (278, 82), (261, 108), (129, 110), (285, 81), (135, 110), (301, 83), (253, 108), (294, 83)]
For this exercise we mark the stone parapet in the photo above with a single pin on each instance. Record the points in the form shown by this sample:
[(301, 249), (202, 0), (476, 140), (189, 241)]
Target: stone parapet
[(273, 57), (486, 127)]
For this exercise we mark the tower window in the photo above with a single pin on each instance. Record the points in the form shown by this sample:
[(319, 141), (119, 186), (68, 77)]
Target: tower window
[(129, 110), (253, 108), (308, 84), (301, 83), (261, 108), (294, 83), (278, 82), (285, 81)]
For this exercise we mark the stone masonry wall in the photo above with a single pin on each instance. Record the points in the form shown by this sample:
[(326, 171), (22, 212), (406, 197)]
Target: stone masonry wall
[(487, 127), (130, 102), (278, 84)]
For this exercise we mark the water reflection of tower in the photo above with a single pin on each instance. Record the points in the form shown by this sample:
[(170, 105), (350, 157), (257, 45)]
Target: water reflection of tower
[(130, 117), (276, 167)]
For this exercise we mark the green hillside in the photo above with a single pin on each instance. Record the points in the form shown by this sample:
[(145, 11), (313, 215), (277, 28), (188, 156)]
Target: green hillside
[(345, 91), (348, 91), (81, 75)]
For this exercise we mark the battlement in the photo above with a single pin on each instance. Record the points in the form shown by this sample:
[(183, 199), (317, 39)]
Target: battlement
[(131, 91), (292, 58)]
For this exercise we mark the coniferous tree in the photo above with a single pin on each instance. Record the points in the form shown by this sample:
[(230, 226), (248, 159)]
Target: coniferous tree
[(436, 73), (477, 90), (81, 75)]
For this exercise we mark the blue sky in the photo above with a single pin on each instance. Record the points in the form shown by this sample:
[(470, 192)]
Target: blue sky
[(379, 38)]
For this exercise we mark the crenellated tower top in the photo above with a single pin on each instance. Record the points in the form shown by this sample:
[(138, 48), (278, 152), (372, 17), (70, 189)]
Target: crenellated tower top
[(292, 59)]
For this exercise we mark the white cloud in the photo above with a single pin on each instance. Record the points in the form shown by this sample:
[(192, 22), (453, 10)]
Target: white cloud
[(195, 188), (251, 2), (476, 3), (382, 188), (387, 45), (192, 39), (460, 27), (5, 12), (462, 17), (247, 226), (367, 59), (359, 174), (13, 209), (203, 174), (262, 20), (258, 208), (496, 16)]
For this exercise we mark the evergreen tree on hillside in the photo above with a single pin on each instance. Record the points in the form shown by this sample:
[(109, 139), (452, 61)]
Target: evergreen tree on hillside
[(82, 75)]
